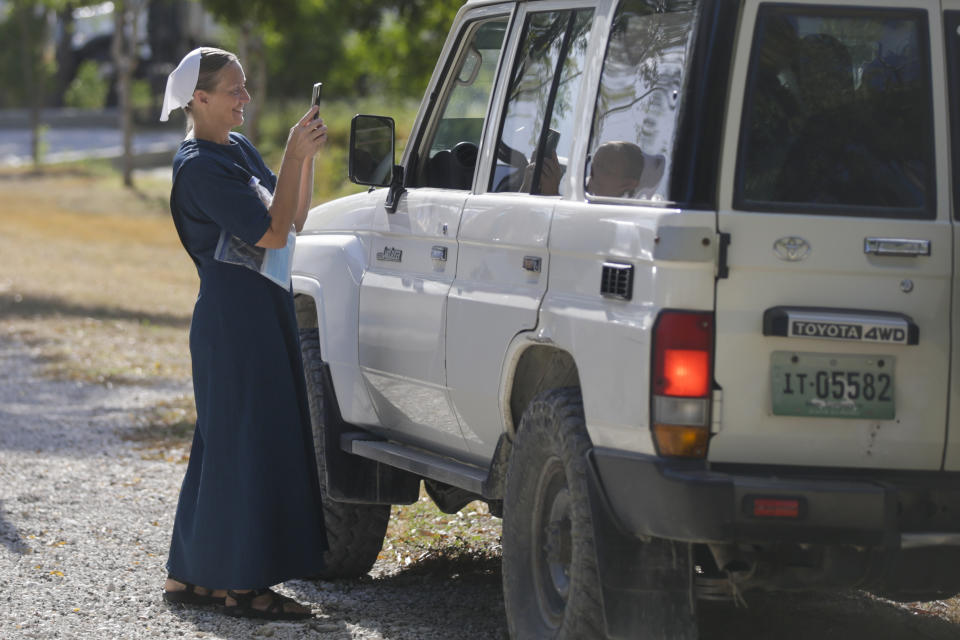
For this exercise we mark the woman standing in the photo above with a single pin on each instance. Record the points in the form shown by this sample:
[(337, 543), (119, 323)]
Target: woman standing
[(249, 514)]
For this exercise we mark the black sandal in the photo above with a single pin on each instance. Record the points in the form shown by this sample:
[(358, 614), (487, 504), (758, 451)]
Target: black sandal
[(274, 611), (189, 596)]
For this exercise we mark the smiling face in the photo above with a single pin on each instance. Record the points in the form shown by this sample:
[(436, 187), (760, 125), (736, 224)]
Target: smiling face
[(221, 109)]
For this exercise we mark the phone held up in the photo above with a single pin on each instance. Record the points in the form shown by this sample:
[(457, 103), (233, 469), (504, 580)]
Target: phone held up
[(315, 100), (553, 139)]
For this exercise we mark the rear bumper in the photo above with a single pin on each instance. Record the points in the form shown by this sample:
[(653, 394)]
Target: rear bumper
[(684, 500)]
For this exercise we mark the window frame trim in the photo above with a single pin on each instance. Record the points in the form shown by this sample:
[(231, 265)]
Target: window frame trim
[(599, 10), (426, 120)]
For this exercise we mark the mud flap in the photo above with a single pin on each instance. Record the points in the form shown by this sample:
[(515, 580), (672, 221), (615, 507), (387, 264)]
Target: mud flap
[(646, 586), (350, 478)]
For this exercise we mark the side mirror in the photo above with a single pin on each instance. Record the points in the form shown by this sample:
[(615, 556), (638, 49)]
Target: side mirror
[(371, 150)]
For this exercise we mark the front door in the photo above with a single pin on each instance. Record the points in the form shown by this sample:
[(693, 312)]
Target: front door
[(833, 325), (403, 296)]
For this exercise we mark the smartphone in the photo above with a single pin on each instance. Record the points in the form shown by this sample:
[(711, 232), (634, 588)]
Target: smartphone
[(315, 100), (553, 139)]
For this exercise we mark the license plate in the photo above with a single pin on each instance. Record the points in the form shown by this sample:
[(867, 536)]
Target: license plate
[(827, 385)]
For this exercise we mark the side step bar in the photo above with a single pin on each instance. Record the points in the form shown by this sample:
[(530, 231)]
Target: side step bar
[(429, 465)]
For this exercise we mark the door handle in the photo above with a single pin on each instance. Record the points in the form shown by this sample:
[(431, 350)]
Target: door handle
[(902, 247), (531, 263)]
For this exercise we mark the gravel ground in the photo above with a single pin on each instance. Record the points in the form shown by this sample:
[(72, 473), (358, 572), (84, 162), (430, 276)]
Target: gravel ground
[(86, 514), (85, 520)]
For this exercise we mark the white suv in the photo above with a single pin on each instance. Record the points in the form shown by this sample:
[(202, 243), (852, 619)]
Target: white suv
[(671, 285)]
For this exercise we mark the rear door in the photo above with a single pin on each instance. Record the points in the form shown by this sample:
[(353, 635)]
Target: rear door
[(503, 255), (833, 325), (952, 42)]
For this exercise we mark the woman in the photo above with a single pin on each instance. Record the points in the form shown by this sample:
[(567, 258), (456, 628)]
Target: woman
[(249, 514)]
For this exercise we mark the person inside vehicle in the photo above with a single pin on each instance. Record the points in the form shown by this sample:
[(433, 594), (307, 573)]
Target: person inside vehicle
[(617, 170)]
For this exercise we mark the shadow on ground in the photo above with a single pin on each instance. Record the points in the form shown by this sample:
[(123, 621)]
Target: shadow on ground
[(28, 306), (465, 602), (9, 536), (821, 616)]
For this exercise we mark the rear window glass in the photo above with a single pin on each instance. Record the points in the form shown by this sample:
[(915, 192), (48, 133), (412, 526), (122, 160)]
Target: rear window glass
[(837, 116), (637, 114), (539, 123)]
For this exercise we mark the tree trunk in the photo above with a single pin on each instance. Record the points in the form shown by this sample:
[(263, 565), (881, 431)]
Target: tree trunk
[(31, 51), (124, 50)]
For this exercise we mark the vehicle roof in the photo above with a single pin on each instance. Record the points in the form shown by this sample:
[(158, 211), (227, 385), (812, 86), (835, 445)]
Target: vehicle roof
[(479, 3)]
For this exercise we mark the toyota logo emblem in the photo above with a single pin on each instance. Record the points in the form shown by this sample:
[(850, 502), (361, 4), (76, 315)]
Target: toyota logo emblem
[(791, 248)]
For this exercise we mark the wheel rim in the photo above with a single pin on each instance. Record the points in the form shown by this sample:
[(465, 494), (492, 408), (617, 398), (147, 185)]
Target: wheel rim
[(552, 545)]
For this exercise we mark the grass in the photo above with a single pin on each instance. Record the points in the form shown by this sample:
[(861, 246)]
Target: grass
[(422, 540), (95, 274)]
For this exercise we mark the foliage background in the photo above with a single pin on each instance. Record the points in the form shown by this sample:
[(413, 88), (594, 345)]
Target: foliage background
[(373, 56)]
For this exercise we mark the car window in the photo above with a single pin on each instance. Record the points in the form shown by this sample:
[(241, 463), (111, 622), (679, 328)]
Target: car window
[(449, 150), (538, 128), (638, 105), (838, 114)]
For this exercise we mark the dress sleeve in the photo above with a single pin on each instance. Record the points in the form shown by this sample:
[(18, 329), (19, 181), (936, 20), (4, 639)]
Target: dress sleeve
[(206, 189)]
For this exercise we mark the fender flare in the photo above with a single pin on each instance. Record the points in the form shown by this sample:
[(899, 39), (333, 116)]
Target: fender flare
[(328, 269)]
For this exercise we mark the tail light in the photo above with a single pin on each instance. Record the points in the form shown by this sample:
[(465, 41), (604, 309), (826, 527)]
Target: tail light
[(681, 382)]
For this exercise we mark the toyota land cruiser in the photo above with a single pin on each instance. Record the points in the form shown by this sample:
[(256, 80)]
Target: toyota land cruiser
[(669, 284)]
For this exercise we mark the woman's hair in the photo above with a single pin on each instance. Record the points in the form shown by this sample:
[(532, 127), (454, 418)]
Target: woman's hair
[(212, 60)]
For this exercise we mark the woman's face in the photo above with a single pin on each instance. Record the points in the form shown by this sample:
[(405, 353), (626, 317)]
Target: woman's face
[(224, 105)]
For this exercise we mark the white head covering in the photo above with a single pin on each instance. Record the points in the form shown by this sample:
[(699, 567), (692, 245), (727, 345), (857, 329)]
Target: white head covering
[(181, 84)]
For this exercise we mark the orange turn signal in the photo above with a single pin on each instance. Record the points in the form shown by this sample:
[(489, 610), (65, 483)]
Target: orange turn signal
[(681, 441)]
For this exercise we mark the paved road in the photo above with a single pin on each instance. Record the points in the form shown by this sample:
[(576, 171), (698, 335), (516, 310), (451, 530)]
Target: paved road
[(76, 143)]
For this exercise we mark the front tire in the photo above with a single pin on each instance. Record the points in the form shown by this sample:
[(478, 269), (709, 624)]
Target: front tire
[(355, 532), (551, 583)]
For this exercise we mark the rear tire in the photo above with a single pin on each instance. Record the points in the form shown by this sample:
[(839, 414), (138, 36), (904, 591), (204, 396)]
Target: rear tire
[(551, 579), (355, 532), (551, 584)]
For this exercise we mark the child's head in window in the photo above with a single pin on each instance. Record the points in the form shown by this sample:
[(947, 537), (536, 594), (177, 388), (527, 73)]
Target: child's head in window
[(616, 169)]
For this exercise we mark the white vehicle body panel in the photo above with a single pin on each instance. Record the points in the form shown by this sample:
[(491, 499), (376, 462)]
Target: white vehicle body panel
[(328, 265), (673, 257), (493, 299), (403, 306)]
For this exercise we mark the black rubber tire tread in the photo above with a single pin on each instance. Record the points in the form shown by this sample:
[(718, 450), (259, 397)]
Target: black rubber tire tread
[(552, 425), (355, 532)]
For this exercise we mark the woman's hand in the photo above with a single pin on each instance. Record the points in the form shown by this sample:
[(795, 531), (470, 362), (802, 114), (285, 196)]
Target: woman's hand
[(307, 137), (291, 198)]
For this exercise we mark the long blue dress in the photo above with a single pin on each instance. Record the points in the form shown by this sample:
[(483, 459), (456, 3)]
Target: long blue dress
[(250, 513)]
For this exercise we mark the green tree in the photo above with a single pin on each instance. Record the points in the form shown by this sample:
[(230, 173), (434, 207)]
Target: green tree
[(397, 51), (256, 24), (88, 89), (355, 47)]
